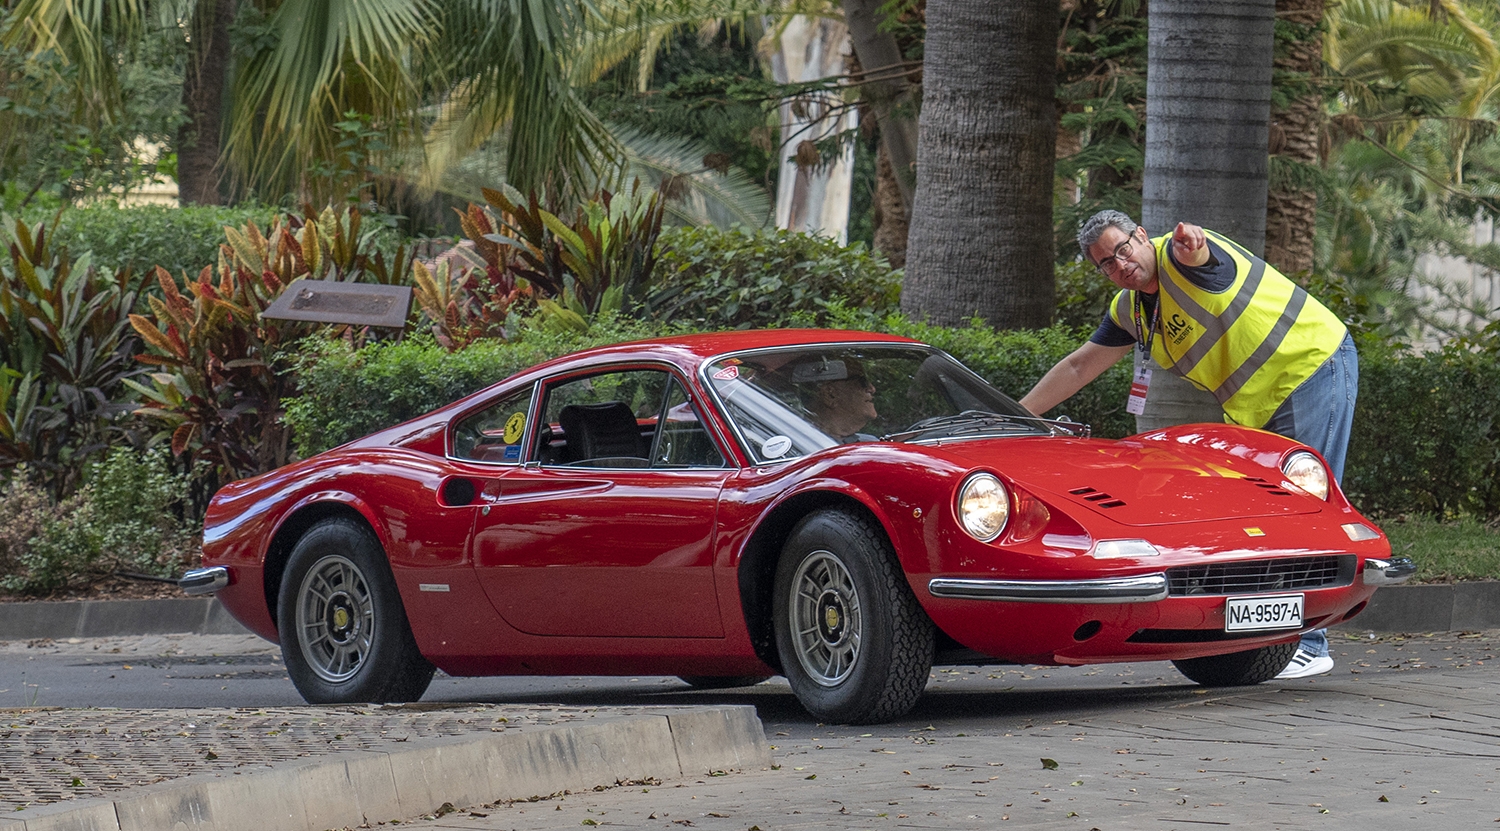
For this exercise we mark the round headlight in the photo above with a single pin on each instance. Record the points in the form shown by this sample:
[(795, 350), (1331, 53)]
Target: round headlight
[(1305, 471), (983, 506)]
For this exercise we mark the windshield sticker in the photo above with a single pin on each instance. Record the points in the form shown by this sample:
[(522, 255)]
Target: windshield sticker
[(775, 446), (728, 373), (514, 427), (512, 452)]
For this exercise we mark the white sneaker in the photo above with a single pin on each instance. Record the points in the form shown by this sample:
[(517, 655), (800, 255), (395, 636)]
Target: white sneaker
[(1305, 664)]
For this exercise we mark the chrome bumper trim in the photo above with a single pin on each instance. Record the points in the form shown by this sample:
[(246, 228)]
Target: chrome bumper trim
[(1144, 588), (204, 580), (1388, 572)]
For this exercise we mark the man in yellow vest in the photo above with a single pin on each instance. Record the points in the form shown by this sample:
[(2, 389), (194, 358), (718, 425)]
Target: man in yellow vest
[(1207, 309)]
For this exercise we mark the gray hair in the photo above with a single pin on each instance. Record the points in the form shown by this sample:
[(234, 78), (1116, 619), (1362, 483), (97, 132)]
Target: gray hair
[(1090, 232)]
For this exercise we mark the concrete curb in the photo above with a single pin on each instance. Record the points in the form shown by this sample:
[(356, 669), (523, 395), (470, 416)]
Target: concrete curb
[(1420, 608), (1434, 607), (110, 618), (362, 787)]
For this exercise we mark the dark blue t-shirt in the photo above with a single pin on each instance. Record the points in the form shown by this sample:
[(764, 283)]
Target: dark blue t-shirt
[(1216, 275)]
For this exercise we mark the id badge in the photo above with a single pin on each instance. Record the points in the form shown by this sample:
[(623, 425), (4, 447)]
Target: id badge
[(1136, 403)]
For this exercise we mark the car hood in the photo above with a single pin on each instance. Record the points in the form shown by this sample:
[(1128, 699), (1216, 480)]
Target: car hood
[(1139, 483)]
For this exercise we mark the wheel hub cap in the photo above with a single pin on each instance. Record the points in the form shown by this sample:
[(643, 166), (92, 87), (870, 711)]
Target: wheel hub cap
[(832, 607), (335, 618), (825, 619)]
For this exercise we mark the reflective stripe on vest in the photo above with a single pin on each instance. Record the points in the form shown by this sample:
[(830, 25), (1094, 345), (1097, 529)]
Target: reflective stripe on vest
[(1250, 345)]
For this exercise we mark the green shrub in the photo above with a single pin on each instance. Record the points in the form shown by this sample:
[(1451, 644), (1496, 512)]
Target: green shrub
[(181, 240), (65, 357), (1425, 437), (1082, 294), (744, 279), (125, 519), (395, 381)]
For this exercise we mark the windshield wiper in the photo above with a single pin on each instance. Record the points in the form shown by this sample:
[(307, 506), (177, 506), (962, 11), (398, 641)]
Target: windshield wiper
[(965, 422), (969, 422)]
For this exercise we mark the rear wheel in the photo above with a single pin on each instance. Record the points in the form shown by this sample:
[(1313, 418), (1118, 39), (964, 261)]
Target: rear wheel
[(854, 644), (343, 629), (1238, 669)]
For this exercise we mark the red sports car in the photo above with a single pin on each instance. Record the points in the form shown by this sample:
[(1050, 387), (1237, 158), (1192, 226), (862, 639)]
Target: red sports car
[(846, 509)]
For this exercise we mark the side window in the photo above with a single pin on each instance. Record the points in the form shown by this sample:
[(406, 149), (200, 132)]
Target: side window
[(682, 440), (605, 420), (494, 433)]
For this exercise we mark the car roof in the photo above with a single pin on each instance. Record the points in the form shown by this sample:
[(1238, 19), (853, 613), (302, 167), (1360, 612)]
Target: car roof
[(692, 350)]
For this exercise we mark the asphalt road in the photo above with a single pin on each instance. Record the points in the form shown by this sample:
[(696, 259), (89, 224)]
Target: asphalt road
[(1404, 733), (189, 671)]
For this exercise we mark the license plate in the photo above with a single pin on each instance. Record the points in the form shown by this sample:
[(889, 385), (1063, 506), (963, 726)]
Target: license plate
[(1266, 611)]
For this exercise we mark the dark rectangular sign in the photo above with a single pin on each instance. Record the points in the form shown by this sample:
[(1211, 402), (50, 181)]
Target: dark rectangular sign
[(357, 304)]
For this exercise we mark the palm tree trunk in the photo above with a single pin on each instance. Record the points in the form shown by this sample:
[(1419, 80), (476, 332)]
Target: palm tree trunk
[(1208, 103), (892, 219), (888, 94), (203, 84), (981, 230), (1291, 212)]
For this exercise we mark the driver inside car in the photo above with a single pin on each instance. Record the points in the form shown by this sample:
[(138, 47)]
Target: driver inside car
[(839, 395)]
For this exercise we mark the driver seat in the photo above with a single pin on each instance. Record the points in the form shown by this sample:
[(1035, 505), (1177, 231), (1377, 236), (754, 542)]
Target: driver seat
[(603, 430)]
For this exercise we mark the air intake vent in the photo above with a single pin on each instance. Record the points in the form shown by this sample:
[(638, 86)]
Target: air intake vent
[(1274, 490), (1097, 497), (1256, 576)]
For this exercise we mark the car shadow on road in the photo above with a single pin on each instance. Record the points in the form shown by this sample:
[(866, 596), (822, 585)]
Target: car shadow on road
[(775, 704)]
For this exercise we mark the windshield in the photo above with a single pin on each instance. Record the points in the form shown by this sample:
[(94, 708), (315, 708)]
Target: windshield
[(788, 402)]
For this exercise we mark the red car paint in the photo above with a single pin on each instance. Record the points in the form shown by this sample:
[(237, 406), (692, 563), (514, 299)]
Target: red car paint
[(554, 569)]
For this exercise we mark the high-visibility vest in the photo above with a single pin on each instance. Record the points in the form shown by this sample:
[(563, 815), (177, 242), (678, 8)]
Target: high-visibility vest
[(1250, 345)]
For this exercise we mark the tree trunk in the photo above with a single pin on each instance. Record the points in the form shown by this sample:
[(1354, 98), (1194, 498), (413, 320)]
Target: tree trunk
[(981, 229), (886, 91), (1208, 103), (892, 222), (1291, 212), (203, 82), (813, 196)]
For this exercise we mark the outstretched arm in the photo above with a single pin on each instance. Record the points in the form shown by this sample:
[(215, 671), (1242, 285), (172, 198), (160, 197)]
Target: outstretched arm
[(1083, 365)]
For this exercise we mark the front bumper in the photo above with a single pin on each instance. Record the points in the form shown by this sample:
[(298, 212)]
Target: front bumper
[(1388, 572), (204, 580), (1145, 588)]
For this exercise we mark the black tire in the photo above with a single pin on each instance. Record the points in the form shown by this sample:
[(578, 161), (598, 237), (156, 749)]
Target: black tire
[(855, 645), (721, 682), (344, 634), (1238, 669)]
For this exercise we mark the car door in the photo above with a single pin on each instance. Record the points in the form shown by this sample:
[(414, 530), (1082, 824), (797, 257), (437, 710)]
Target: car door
[(608, 528)]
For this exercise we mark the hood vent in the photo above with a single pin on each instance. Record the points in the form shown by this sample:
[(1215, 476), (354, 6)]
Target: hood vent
[(1274, 490), (1097, 497)]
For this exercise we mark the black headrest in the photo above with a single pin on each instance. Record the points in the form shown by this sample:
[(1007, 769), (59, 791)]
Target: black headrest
[(600, 430)]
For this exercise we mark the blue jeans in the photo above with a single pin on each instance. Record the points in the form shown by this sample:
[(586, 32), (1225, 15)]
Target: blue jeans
[(1319, 414)]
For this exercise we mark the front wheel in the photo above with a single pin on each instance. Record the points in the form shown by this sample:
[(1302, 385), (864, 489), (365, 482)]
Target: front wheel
[(1238, 669), (343, 630), (854, 644)]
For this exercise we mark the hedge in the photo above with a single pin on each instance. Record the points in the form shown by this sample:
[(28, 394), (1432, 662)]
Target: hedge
[(181, 240), (393, 382), (1425, 437)]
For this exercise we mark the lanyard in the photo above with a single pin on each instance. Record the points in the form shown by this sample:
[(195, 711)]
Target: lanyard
[(1146, 333)]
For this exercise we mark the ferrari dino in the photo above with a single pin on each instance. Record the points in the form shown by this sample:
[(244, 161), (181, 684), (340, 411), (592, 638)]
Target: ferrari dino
[(845, 509)]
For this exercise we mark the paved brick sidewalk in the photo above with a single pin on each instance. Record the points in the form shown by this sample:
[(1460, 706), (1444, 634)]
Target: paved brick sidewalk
[(1404, 736)]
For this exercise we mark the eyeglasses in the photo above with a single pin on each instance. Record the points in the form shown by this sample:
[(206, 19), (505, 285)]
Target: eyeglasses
[(1109, 265)]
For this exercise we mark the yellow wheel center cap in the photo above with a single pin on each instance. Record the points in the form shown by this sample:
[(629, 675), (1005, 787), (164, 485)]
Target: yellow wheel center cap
[(831, 618), (340, 618)]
